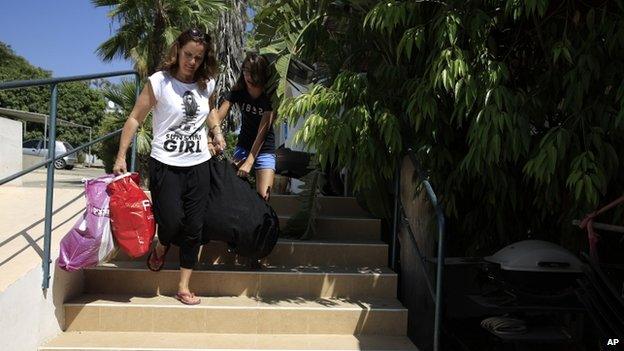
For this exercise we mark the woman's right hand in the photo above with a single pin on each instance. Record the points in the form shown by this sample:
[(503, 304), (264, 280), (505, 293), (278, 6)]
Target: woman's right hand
[(120, 166)]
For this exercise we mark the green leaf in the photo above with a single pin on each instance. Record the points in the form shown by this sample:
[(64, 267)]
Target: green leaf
[(619, 119), (566, 54), (557, 49), (412, 37), (579, 189), (281, 67), (496, 147), (590, 18)]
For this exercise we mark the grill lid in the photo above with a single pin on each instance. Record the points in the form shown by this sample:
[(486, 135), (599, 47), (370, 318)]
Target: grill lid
[(536, 256)]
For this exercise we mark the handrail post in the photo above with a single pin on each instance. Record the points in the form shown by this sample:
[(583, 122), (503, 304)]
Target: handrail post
[(137, 80), (441, 259), (395, 218), (90, 157), (47, 231), (439, 278)]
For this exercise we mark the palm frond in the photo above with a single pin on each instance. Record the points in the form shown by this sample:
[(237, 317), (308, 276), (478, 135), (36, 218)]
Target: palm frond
[(103, 3), (123, 95), (148, 27)]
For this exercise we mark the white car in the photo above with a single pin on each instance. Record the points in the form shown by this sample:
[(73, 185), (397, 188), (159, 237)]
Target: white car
[(36, 147)]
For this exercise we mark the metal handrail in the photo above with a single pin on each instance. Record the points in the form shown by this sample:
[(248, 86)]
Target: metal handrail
[(398, 208), (53, 83), (423, 259), (16, 84), (49, 161)]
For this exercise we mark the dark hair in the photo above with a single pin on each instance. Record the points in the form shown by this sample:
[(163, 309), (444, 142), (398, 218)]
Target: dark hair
[(207, 69), (258, 66)]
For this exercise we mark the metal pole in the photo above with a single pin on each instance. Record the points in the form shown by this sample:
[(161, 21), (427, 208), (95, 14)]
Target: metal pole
[(47, 231), (395, 218), (48, 81), (90, 157), (134, 139), (345, 188), (439, 279), (441, 259), (45, 132)]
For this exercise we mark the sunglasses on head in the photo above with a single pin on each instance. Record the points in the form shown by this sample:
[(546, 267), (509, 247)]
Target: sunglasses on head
[(197, 34)]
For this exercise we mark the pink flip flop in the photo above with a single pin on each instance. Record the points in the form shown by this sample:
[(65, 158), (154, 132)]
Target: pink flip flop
[(187, 298)]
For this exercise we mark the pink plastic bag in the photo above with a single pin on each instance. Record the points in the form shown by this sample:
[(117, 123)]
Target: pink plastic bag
[(90, 241)]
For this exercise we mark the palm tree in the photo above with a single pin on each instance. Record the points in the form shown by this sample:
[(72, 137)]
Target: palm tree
[(124, 96), (230, 47), (148, 27)]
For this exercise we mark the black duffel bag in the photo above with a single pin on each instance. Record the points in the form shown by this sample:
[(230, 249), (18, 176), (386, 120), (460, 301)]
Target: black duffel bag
[(237, 214)]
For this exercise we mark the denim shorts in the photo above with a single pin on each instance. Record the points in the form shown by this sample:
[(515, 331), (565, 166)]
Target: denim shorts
[(263, 161)]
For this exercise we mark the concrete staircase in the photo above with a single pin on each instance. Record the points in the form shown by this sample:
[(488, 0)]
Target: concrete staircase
[(332, 293)]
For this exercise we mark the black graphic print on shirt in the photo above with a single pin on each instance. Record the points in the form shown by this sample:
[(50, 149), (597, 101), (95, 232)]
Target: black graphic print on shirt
[(187, 126), (184, 137)]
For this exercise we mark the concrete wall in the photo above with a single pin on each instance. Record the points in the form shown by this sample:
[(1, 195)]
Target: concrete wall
[(10, 148), (30, 315)]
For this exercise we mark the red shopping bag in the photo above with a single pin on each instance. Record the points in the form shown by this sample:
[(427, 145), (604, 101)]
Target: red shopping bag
[(131, 215)]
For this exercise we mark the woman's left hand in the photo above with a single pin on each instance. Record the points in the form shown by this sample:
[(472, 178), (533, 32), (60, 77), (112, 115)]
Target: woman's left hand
[(244, 169)]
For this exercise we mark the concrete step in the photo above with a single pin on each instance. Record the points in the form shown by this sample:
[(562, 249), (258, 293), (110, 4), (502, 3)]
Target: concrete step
[(236, 315), (352, 229), (287, 205), (294, 253), (148, 341), (228, 280)]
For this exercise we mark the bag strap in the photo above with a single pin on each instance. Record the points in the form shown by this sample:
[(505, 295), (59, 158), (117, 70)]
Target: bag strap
[(121, 176)]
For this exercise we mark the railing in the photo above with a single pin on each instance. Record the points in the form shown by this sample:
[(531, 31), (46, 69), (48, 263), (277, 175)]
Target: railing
[(399, 211), (53, 82)]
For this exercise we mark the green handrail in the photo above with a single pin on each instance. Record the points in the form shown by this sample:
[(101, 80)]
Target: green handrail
[(53, 83)]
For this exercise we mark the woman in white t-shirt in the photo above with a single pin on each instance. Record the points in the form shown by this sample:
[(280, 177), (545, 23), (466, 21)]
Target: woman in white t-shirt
[(179, 96)]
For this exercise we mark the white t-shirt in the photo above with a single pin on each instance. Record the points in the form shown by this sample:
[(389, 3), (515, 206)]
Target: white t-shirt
[(178, 121)]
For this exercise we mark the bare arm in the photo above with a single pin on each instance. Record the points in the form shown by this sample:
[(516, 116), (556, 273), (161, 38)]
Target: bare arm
[(141, 108), (216, 116), (266, 122)]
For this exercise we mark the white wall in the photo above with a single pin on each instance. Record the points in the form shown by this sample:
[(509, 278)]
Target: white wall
[(10, 148), (286, 133), (295, 90), (30, 316)]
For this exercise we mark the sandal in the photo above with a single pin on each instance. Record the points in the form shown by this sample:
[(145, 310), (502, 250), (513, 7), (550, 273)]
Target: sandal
[(187, 298), (155, 263), (255, 265)]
